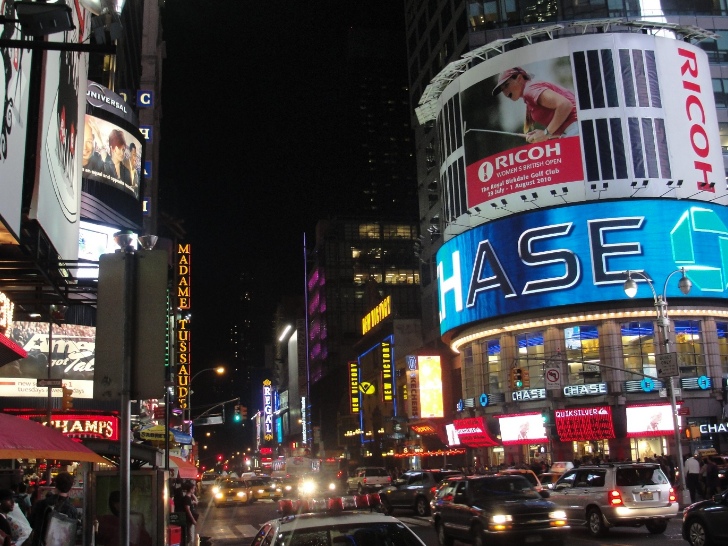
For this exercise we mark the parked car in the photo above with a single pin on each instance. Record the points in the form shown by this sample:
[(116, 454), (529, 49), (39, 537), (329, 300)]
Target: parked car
[(207, 481), (368, 478), (231, 491), (414, 490), (616, 495), (704, 522), (499, 507), (530, 475)]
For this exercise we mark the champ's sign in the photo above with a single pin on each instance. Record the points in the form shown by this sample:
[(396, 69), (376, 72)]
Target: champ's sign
[(629, 115)]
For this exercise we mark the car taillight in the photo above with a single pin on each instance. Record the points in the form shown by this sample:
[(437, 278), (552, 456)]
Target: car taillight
[(364, 480), (615, 498), (433, 490), (672, 497)]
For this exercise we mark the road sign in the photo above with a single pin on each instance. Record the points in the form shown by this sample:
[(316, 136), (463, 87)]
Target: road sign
[(667, 365), (553, 379), (52, 383)]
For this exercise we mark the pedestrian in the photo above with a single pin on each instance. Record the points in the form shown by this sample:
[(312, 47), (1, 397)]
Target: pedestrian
[(183, 503), (14, 522), (692, 476), (709, 472), (58, 501)]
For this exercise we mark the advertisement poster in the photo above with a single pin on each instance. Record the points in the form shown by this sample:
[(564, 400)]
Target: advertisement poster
[(72, 359), (111, 155), (650, 421), (15, 66), (525, 428), (57, 202), (581, 424), (506, 148)]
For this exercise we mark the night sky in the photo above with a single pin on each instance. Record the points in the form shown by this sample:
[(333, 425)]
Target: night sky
[(253, 140)]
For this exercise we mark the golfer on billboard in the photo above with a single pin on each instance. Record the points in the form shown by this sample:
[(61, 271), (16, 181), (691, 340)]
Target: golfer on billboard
[(548, 104)]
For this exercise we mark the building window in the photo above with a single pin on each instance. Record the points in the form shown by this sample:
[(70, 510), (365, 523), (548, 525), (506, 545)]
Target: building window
[(689, 348), (638, 347), (720, 90), (491, 366), (531, 357), (582, 354), (722, 328)]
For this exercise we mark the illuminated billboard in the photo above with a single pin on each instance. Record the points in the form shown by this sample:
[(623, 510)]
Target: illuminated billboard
[(93, 241), (579, 424), (524, 428), (430, 386), (14, 100), (650, 420), (111, 155), (57, 197), (471, 432), (582, 118), (72, 356), (578, 254)]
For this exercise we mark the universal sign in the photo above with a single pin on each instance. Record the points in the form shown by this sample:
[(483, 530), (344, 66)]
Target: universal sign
[(578, 254)]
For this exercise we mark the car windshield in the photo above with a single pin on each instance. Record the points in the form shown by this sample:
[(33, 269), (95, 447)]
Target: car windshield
[(502, 486), (372, 534), (640, 476), (259, 481), (376, 472)]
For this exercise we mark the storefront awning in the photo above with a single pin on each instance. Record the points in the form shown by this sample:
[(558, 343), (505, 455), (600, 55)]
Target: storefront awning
[(473, 432), (429, 427), (10, 351)]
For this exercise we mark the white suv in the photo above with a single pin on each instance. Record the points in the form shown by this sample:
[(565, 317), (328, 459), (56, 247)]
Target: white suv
[(616, 495)]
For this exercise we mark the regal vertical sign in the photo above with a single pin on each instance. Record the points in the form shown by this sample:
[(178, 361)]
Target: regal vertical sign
[(183, 336), (267, 410)]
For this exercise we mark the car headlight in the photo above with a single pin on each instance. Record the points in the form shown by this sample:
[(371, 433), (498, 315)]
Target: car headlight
[(307, 488), (557, 514), (332, 486), (240, 494), (216, 490), (288, 488), (218, 495), (502, 518)]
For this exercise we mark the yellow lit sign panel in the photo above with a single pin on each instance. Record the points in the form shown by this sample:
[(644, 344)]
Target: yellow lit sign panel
[(376, 315), (430, 379)]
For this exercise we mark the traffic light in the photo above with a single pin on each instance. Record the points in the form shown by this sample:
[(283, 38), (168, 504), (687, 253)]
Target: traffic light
[(516, 378), (243, 412), (219, 458), (236, 416), (67, 402), (525, 378)]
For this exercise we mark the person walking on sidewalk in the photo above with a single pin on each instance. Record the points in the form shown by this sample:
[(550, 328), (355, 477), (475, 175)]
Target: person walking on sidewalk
[(692, 476)]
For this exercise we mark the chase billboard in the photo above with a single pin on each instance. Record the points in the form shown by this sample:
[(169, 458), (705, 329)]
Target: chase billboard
[(578, 255)]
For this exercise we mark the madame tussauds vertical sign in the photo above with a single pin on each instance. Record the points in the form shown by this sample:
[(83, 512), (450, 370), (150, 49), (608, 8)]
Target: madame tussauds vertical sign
[(183, 325)]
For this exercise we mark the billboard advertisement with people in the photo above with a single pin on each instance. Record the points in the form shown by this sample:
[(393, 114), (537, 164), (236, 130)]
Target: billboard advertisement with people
[(578, 119)]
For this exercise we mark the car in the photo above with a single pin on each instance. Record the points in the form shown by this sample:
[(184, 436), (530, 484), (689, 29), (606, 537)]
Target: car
[(704, 522), (263, 487), (231, 491), (414, 490), (548, 479), (368, 478), (496, 508), (317, 484), (287, 484), (616, 495), (530, 475), (207, 481), (336, 528)]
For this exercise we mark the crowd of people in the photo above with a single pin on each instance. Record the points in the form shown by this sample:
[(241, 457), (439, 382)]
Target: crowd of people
[(25, 519)]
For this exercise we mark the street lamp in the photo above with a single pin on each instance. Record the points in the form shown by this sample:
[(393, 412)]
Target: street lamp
[(663, 323), (219, 371)]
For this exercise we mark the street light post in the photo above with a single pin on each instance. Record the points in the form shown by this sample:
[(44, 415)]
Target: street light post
[(219, 371), (663, 323)]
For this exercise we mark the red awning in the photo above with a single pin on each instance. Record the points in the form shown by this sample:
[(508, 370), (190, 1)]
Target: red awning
[(9, 351), (473, 432)]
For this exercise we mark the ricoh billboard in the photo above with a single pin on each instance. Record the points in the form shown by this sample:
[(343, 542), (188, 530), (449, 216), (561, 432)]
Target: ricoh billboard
[(578, 254), (579, 119)]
